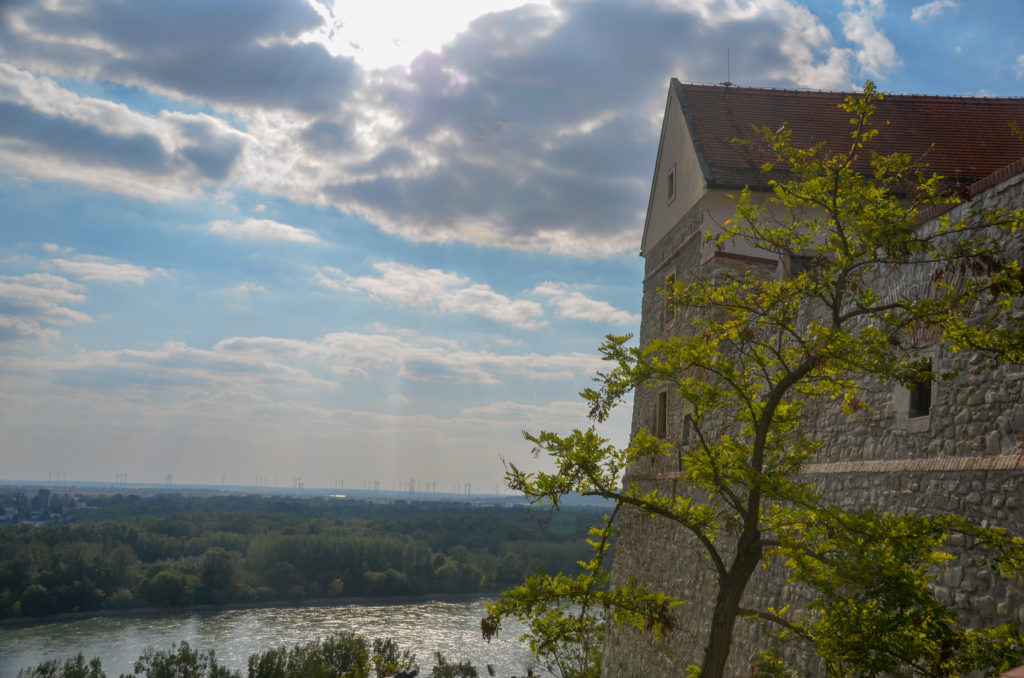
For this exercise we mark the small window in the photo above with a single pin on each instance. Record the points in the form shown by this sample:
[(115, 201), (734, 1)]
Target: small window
[(661, 415), (921, 397), (671, 186), (670, 308), (796, 264), (913, 402)]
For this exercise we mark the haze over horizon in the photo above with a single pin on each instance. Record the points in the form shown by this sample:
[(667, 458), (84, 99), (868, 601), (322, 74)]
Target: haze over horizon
[(290, 239)]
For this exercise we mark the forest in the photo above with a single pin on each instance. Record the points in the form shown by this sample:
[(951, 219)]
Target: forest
[(175, 551)]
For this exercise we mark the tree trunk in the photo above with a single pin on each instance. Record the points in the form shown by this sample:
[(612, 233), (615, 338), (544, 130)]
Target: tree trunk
[(727, 604)]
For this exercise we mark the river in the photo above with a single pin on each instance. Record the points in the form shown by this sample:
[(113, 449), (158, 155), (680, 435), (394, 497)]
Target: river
[(420, 627)]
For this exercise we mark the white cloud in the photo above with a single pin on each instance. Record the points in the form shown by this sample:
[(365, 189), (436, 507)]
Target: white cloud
[(103, 269), (388, 33), (933, 9), (432, 288), (398, 399), (34, 302), (250, 288), (549, 416), (877, 53), (263, 229), (330, 278), (52, 132), (174, 370), (456, 144), (1019, 68), (570, 303), (410, 355)]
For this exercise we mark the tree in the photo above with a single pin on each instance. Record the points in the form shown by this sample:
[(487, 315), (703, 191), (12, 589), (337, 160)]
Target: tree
[(389, 660), (763, 354), (216, 575), (343, 654), (170, 588), (180, 662), (72, 667), (446, 669)]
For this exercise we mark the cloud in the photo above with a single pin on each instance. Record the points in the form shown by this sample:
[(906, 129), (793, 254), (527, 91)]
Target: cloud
[(1019, 67), (263, 229), (236, 53), (103, 269), (552, 416), (933, 9), (172, 370), (31, 304), (575, 305), (877, 53), (438, 290), (410, 355), (518, 133), (49, 131), (52, 134)]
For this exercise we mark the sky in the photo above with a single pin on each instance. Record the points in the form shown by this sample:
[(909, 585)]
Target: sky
[(272, 242)]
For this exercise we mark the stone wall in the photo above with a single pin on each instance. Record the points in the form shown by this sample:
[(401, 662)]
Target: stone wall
[(966, 456)]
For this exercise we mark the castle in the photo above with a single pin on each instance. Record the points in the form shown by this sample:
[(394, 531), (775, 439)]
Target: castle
[(958, 446)]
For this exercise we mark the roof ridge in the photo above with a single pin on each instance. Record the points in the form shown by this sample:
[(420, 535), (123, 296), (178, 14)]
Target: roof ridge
[(807, 90)]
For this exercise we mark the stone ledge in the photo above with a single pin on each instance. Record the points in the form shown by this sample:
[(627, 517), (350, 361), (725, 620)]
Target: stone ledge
[(1009, 462)]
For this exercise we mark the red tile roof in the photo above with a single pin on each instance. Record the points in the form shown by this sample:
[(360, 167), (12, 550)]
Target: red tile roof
[(964, 139)]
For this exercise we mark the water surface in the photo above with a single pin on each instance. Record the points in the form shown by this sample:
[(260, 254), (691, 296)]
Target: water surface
[(420, 627)]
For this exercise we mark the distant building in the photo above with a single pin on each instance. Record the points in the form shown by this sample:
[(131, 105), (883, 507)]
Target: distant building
[(959, 447)]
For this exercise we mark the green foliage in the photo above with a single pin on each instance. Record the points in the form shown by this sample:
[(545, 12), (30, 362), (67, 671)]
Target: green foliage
[(445, 669), (180, 662), (170, 588), (216, 575), (565, 614), (72, 667), (876, 612), (388, 659), (760, 355), (344, 655), (203, 551)]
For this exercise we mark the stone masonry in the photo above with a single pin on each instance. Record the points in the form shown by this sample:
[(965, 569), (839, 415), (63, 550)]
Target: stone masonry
[(966, 457)]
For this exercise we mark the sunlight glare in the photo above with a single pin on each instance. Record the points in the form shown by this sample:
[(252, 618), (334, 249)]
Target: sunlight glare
[(387, 33)]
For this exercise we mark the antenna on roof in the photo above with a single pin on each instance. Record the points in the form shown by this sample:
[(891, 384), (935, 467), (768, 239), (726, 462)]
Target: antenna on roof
[(728, 70)]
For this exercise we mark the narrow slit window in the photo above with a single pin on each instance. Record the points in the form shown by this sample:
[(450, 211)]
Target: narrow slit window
[(670, 309), (671, 185), (921, 396), (661, 415)]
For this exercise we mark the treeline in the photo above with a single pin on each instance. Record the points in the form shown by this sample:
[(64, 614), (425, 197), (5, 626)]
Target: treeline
[(344, 655), (176, 552)]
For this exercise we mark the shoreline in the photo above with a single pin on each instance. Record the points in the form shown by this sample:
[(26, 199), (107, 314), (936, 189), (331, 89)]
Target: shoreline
[(151, 612)]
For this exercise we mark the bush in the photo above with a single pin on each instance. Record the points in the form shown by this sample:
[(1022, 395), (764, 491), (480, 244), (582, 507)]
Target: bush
[(181, 662), (73, 667), (343, 655), (445, 669)]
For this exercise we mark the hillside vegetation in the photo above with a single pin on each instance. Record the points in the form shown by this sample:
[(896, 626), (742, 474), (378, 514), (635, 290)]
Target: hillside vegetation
[(174, 551)]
